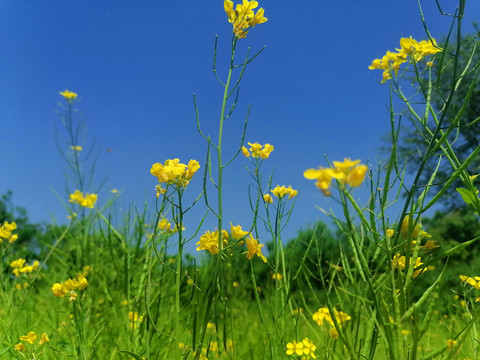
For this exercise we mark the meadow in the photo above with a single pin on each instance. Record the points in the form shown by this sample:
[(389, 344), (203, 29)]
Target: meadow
[(377, 286)]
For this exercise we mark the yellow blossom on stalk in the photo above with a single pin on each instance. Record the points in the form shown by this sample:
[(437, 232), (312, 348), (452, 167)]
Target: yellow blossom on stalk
[(268, 198), (410, 50), (473, 281), (323, 314), (134, 319), (6, 232), (450, 344), (405, 228), (76, 148), (209, 241), (398, 262), (30, 337), (87, 201), (389, 233), (257, 150), (167, 227), (172, 172), (429, 245), (70, 287), (304, 348), (254, 248), (243, 17), (281, 191), (348, 172), (20, 268), (69, 95), (43, 339), (20, 347), (277, 276), (237, 232)]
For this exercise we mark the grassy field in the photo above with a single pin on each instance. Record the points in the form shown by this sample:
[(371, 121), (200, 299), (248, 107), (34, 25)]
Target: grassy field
[(108, 288)]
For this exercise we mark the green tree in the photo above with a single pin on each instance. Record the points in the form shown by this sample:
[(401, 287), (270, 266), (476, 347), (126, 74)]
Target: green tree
[(28, 233)]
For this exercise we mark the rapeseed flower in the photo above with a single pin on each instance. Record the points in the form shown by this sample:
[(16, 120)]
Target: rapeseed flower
[(257, 150), (411, 50), (6, 232), (243, 17), (305, 349), (281, 191), (20, 347), (348, 172), (76, 148), (237, 232), (69, 95), (70, 287), (87, 201), (268, 198), (172, 172), (323, 314), (134, 319), (254, 248), (473, 281), (398, 262), (209, 241), (30, 337), (20, 268)]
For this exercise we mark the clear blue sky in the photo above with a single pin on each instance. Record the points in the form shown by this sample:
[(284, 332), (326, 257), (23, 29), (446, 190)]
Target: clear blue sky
[(135, 66)]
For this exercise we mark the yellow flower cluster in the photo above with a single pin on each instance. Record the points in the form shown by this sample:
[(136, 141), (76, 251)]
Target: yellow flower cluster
[(347, 172), (166, 227), (174, 173), (69, 95), (30, 338), (474, 282), (410, 49), (398, 262), (76, 148), (6, 232), (70, 287), (281, 191), (134, 319), (305, 349), (209, 241), (243, 17), (254, 248), (87, 201), (323, 314), (20, 268), (257, 150)]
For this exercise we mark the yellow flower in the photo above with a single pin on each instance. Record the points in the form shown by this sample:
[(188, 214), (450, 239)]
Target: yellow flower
[(294, 348), (209, 241), (258, 151), (429, 245), (173, 172), (347, 172), (235, 284), (277, 276), (43, 339), (450, 344), (237, 232), (304, 348), (69, 95), (405, 228), (114, 191), (333, 333), (134, 319), (281, 191), (6, 232), (76, 148), (267, 198), (87, 201), (254, 248), (243, 17), (20, 347), (389, 233), (30, 337)]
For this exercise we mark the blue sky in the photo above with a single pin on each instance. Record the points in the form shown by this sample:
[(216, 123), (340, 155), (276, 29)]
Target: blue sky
[(135, 66)]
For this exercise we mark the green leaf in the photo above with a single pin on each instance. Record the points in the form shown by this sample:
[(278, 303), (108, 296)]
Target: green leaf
[(470, 199)]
